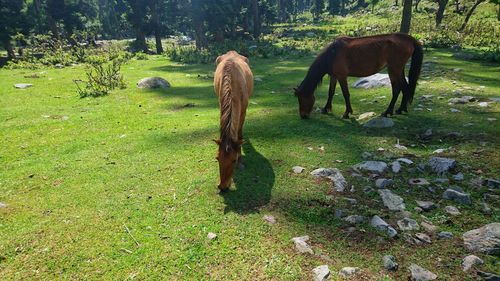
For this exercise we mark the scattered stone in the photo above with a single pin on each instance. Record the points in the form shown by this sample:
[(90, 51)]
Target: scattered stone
[(439, 150), (269, 219), (298, 169), (396, 167), (390, 263), (153, 83), (441, 180), (22, 85), (366, 115), (340, 213), (348, 271), (381, 225), (485, 208), (379, 122), (442, 165), (483, 104), (485, 239), (392, 201), (492, 183), (428, 133), (405, 160), (366, 155), (458, 177), (321, 273), (418, 273), (368, 189), (58, 65), (429, 227), (469, 261), (487, 276), (418, 182), (211, 236), (452, 210), (351, 201), (491, 197), (383, 183), (3, 205), (322, 172), (454, 110), (408, 224), (301, 244), (338, 181), (418, 209), (373, 81), (461, 100), (354, 219), (423, 237), (403, 215), (445, 235), (426, 205), (372, 166), (457, 196)]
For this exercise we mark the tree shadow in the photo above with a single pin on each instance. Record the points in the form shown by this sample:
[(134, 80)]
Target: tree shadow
[(253, 183)]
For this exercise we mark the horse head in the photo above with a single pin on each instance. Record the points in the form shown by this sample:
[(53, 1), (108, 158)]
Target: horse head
[(306, 102), (227, 156)]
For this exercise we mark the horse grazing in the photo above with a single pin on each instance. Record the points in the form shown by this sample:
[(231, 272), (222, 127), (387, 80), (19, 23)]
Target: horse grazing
[(360, 57), (233, 83)]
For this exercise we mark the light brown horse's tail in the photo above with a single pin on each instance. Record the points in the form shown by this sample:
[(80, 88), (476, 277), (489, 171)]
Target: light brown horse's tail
[(229, 116), (415, 68)]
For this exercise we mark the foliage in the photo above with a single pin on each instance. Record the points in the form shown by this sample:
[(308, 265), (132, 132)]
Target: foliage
[(102, 77)]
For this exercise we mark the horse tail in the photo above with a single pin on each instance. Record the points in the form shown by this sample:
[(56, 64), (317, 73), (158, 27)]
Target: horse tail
[(228, 125), (415, 68)]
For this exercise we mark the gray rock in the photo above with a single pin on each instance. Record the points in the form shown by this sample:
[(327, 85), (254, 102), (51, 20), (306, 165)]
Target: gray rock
[(470, 261), (423, 237), (452, 210), (379, 122), (396, 167), (445, 235), (485, 208), (365, 116), (488, 276), (426, 205), (458, 177), (429, 227), (211, 236), (348, 271), (339, 183), (492, 183), (3, 205), (297, 169), (408, 224), (372, 166), (322, 172), (461, 100), (419, 273), (153, 83), (441, 165), (405, 160), (418, 182), (491, 197), (354, 219), (457, 196), (321, 273), (390, 263), (392, 201), (381, 225), (351, 201), (373, 81), (383, 183), (22, 85), (441, 180), (301, 244), (366, 155), (340, 213), (485, 239), (269, 219)]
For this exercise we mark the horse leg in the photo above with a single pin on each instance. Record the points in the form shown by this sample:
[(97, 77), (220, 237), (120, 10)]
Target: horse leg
[(331, 92), (396, 88), (347, 97), (404, 102)]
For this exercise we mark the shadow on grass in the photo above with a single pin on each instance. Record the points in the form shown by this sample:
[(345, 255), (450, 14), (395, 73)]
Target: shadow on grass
[(253, 184)]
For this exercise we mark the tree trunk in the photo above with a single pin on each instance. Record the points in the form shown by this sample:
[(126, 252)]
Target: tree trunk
[(257, 24), (53, 26), (416, 5), (396, 3), (157, 28), (440, 12), (406, 18), (140, 39), (8, 47), (469, 14)]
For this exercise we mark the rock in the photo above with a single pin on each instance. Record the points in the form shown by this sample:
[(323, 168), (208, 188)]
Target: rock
[(366, 115), (301, 244), (418, 209), (403, 214), (441, 180), (485, 239), (442, 165), (420, 274), (454, 110), (428, 133), (153, 83), (423, 237), (381, 225), (469, 261), (405, 160), (491, 197), (340, 213), (487, 276), (429, 227), (445, 235), (390, 263), (396, 167), (3, 205), (211, 236), (392, 201), (378, 167), (366, 155), (354, 219), (269, 219), (457, 196), (373, 81), (22, 85), (383, 183), (426, 205), (483, 104), (297, 169), (379, 122), (418, 182), (452, 210), (439, 150), (338, 181), (348, 271), (310, 34), (257, 78), (461, 100), (485, 209), (59, 65), (321, 273), (458, 177), (322, 172), (492, 183), (408, 224)]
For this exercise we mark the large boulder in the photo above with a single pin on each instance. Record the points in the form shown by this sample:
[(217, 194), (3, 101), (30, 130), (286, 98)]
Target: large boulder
[(441, 165), (379, 122), (377, 167), (373, 81), (485, 239), (153, 83)]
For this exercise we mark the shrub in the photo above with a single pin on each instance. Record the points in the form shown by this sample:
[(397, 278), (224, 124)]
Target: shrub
[(102, 77)]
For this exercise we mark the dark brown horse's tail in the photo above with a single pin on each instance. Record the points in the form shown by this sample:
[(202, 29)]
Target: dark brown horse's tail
[(416, 65)]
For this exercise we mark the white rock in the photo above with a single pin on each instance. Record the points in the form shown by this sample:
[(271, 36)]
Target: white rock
[(372, 166), (321, 273), (470, 261), (418, 273), (392, 201), (22, 85), (348, 271), (301, 244), (298, 169), (452, 210), (405, 160), (396, 167), (270, 219), (211, 236), (408, 224), (366, 115)]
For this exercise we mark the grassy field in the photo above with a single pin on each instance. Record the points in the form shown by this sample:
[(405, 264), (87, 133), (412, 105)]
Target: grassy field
[(76, 174)]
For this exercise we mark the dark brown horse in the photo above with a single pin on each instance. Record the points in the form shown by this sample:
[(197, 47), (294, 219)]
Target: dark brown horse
[(233, 83), (360, 57)]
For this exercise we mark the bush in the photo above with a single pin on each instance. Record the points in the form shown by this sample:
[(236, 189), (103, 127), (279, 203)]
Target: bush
[(102, 77)]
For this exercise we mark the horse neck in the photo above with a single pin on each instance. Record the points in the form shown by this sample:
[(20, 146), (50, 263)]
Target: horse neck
[(315, 74)]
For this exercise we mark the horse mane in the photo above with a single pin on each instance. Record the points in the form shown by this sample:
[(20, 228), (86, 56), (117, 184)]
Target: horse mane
[(320, 66), (227, 135)]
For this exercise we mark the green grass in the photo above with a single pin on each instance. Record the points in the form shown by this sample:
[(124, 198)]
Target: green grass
[(74, 172)]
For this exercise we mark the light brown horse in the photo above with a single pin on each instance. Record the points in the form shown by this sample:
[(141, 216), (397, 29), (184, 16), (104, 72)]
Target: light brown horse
[(360, 57), (233, 83)]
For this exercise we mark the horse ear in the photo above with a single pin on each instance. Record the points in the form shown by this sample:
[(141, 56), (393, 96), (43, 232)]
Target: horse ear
[(218, 60), (295, 91), (217, 141)]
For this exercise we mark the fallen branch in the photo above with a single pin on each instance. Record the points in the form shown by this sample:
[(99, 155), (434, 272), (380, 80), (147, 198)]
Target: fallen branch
[(129, 233)]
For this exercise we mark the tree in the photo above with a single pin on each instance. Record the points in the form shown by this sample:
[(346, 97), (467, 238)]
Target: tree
[(440, 11), (406, 18), (334, 7), (136, 15), (317, 8), (469, 14), (257, 23), (10, 23)]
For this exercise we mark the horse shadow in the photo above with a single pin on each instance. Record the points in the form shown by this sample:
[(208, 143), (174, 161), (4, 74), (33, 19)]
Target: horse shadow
[(253, 183)]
